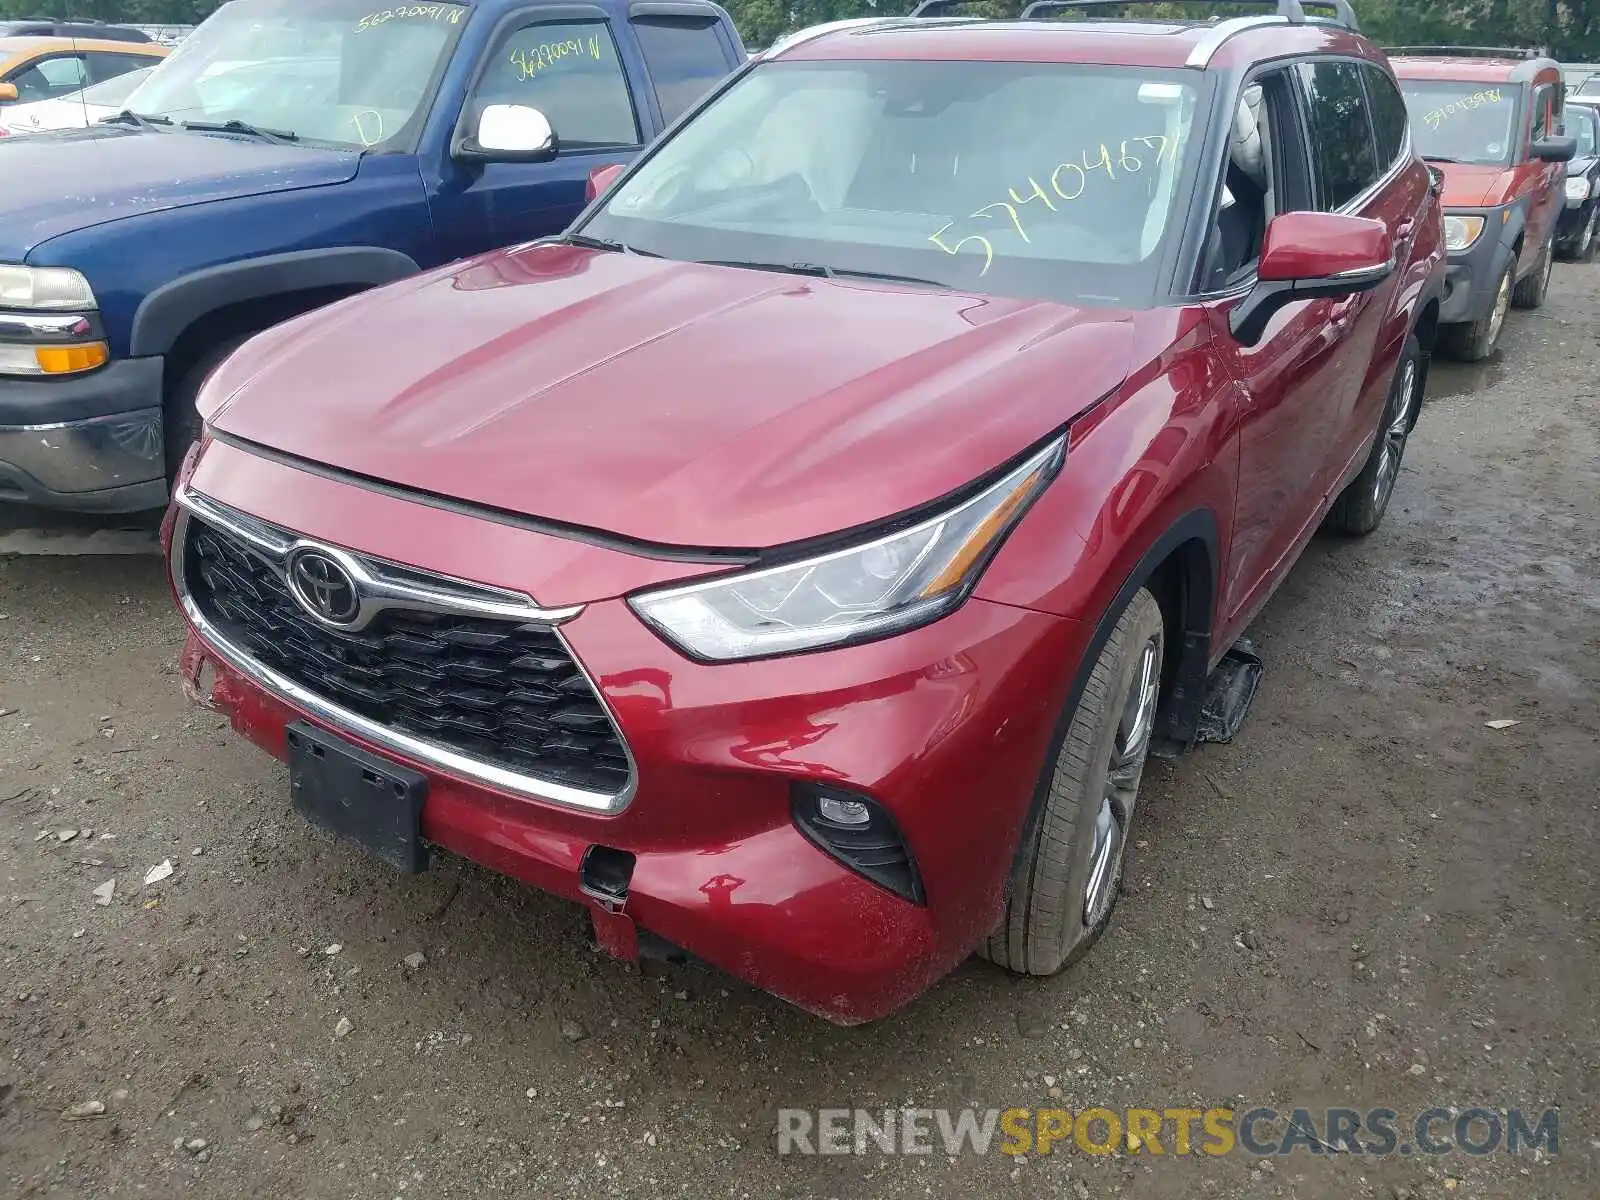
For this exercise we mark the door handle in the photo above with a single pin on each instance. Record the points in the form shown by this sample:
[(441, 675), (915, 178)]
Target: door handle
[(1404, 230)]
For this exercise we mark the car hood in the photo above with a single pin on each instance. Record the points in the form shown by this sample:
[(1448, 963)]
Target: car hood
[(1579, 167), (75, 179), (1469, 185), (679, 404)]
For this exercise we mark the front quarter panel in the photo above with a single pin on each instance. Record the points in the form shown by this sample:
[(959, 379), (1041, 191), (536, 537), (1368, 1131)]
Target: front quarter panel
[(1157, 450)]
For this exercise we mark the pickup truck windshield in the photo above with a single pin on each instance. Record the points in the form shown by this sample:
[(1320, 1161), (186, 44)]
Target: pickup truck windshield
[(1031, 179), (350, 73), (1463, 122)]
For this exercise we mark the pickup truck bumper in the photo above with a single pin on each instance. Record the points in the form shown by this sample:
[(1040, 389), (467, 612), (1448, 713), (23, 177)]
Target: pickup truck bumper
[(90, 443)]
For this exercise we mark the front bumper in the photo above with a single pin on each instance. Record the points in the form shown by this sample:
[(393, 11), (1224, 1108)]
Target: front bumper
[(1472, 275), (946, 727), (89, 443)]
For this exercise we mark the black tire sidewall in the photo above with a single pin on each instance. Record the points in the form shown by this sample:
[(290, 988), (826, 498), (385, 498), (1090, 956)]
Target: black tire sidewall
[(180, 422)]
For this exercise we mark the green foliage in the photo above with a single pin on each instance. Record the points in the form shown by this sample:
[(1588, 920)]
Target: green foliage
[(1570, 29)]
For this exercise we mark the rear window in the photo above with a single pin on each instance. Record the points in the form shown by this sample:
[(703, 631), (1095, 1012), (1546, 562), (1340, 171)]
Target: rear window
[(1341, 131), (1454, 121)]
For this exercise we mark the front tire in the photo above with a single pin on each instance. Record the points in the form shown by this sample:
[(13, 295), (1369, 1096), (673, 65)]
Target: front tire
[(180, 423), (1476, 340), (1067, 878), (1360, 507)]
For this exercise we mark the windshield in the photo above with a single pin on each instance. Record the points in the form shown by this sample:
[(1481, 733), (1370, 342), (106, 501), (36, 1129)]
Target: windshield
[(1029, 179), (340, 72), (1463, 122)]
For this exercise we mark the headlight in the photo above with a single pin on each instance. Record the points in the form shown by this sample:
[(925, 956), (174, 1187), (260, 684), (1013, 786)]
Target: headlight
[(55, 288), (1578, 189), (885, 586), (1461, 232)]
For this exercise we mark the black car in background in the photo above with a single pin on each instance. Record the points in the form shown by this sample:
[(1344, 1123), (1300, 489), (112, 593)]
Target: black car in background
[(1578, 229)]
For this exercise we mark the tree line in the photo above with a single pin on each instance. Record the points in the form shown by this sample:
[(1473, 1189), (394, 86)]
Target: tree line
[(1569, 29)]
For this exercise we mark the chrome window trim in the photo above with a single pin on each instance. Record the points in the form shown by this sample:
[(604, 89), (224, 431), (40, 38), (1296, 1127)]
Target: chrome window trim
[(427, 753)]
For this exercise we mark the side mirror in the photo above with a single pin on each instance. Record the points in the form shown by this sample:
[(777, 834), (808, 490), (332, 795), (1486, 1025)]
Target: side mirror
[(9, 93), (1556, 148), (1312, 255), (600, 181), (508, 133)]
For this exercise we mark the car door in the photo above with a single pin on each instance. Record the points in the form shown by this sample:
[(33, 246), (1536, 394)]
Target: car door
[(1298, 381), (564, 60), (1548, 179)]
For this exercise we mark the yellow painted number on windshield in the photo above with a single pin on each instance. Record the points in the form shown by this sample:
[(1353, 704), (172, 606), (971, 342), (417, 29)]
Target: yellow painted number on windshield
[(1067, 181), (988, 250), (448, 13), (1466, 104)]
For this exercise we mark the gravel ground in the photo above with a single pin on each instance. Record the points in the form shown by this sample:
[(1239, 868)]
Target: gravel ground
[(1370, 898)]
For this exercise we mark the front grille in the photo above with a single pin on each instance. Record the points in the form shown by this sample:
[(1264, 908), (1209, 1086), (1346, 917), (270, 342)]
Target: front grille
[(503, 692)]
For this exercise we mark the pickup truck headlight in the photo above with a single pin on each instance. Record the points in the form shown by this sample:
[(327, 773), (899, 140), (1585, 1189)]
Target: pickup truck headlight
[(1461, 231), (1578, 188), (50, 289), (885, 586)]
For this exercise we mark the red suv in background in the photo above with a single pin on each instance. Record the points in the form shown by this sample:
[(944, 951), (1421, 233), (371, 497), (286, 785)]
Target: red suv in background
[(796, 561), (1491, 121)]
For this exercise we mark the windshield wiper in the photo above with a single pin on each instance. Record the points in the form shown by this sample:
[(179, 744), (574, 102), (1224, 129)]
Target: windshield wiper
[(825, 271), (244, 127), (594, 243), (137, 120), (1439, 158)]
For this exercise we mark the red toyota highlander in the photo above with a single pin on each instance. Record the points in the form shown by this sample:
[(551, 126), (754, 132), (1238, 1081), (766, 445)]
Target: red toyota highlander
[(797, 560)]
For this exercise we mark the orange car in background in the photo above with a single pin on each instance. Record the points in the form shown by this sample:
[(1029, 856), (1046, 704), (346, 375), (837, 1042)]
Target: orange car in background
[(43, 68), (1490, 120)]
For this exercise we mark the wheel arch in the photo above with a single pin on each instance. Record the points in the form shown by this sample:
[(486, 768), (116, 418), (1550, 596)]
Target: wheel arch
[(1182, 566), (250, 295)]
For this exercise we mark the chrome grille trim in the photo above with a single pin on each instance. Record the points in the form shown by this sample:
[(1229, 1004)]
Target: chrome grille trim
[(439, 594)]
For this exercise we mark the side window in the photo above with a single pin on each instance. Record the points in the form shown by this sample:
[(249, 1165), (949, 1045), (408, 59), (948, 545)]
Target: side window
[(685, 58), (1388, 115), (109, 66), (1340, 126), (51, 77), (569, 71), (1264, 174), (1541, 111)]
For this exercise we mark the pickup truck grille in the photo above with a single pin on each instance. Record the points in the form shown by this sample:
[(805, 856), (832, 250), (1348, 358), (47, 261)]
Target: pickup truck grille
[(502, 692)]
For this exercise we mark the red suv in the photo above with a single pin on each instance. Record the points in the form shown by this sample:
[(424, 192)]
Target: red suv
[(1491, 120), (796, 561)]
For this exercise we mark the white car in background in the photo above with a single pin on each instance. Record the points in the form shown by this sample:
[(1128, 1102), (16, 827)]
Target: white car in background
[(78, 110)]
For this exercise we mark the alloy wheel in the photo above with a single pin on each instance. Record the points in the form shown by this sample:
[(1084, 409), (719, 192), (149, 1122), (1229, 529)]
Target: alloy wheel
[(1502, 305), (1120, 792), (1394, 434)]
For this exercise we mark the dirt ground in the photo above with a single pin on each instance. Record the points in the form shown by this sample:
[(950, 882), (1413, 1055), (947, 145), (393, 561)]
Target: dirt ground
[(1370, 898)]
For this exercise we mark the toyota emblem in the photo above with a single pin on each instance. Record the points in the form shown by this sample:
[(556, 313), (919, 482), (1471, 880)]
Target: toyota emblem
[(324, 587)]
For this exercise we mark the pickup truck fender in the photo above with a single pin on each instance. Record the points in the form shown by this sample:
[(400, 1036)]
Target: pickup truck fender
[(171, 308)]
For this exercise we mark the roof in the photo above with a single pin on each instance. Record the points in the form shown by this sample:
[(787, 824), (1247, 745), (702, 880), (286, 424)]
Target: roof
[(17, 49), (1470, 69), (1170, 44)]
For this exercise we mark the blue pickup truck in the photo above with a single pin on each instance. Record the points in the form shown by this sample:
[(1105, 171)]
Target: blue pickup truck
[(291, 153)]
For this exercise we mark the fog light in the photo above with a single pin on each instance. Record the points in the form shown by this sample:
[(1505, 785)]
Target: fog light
[(843, 812), (860, 834)]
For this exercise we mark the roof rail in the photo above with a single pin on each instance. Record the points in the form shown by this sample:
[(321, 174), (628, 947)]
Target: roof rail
[(1469, 51), (1292, 11), (934, 8)]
